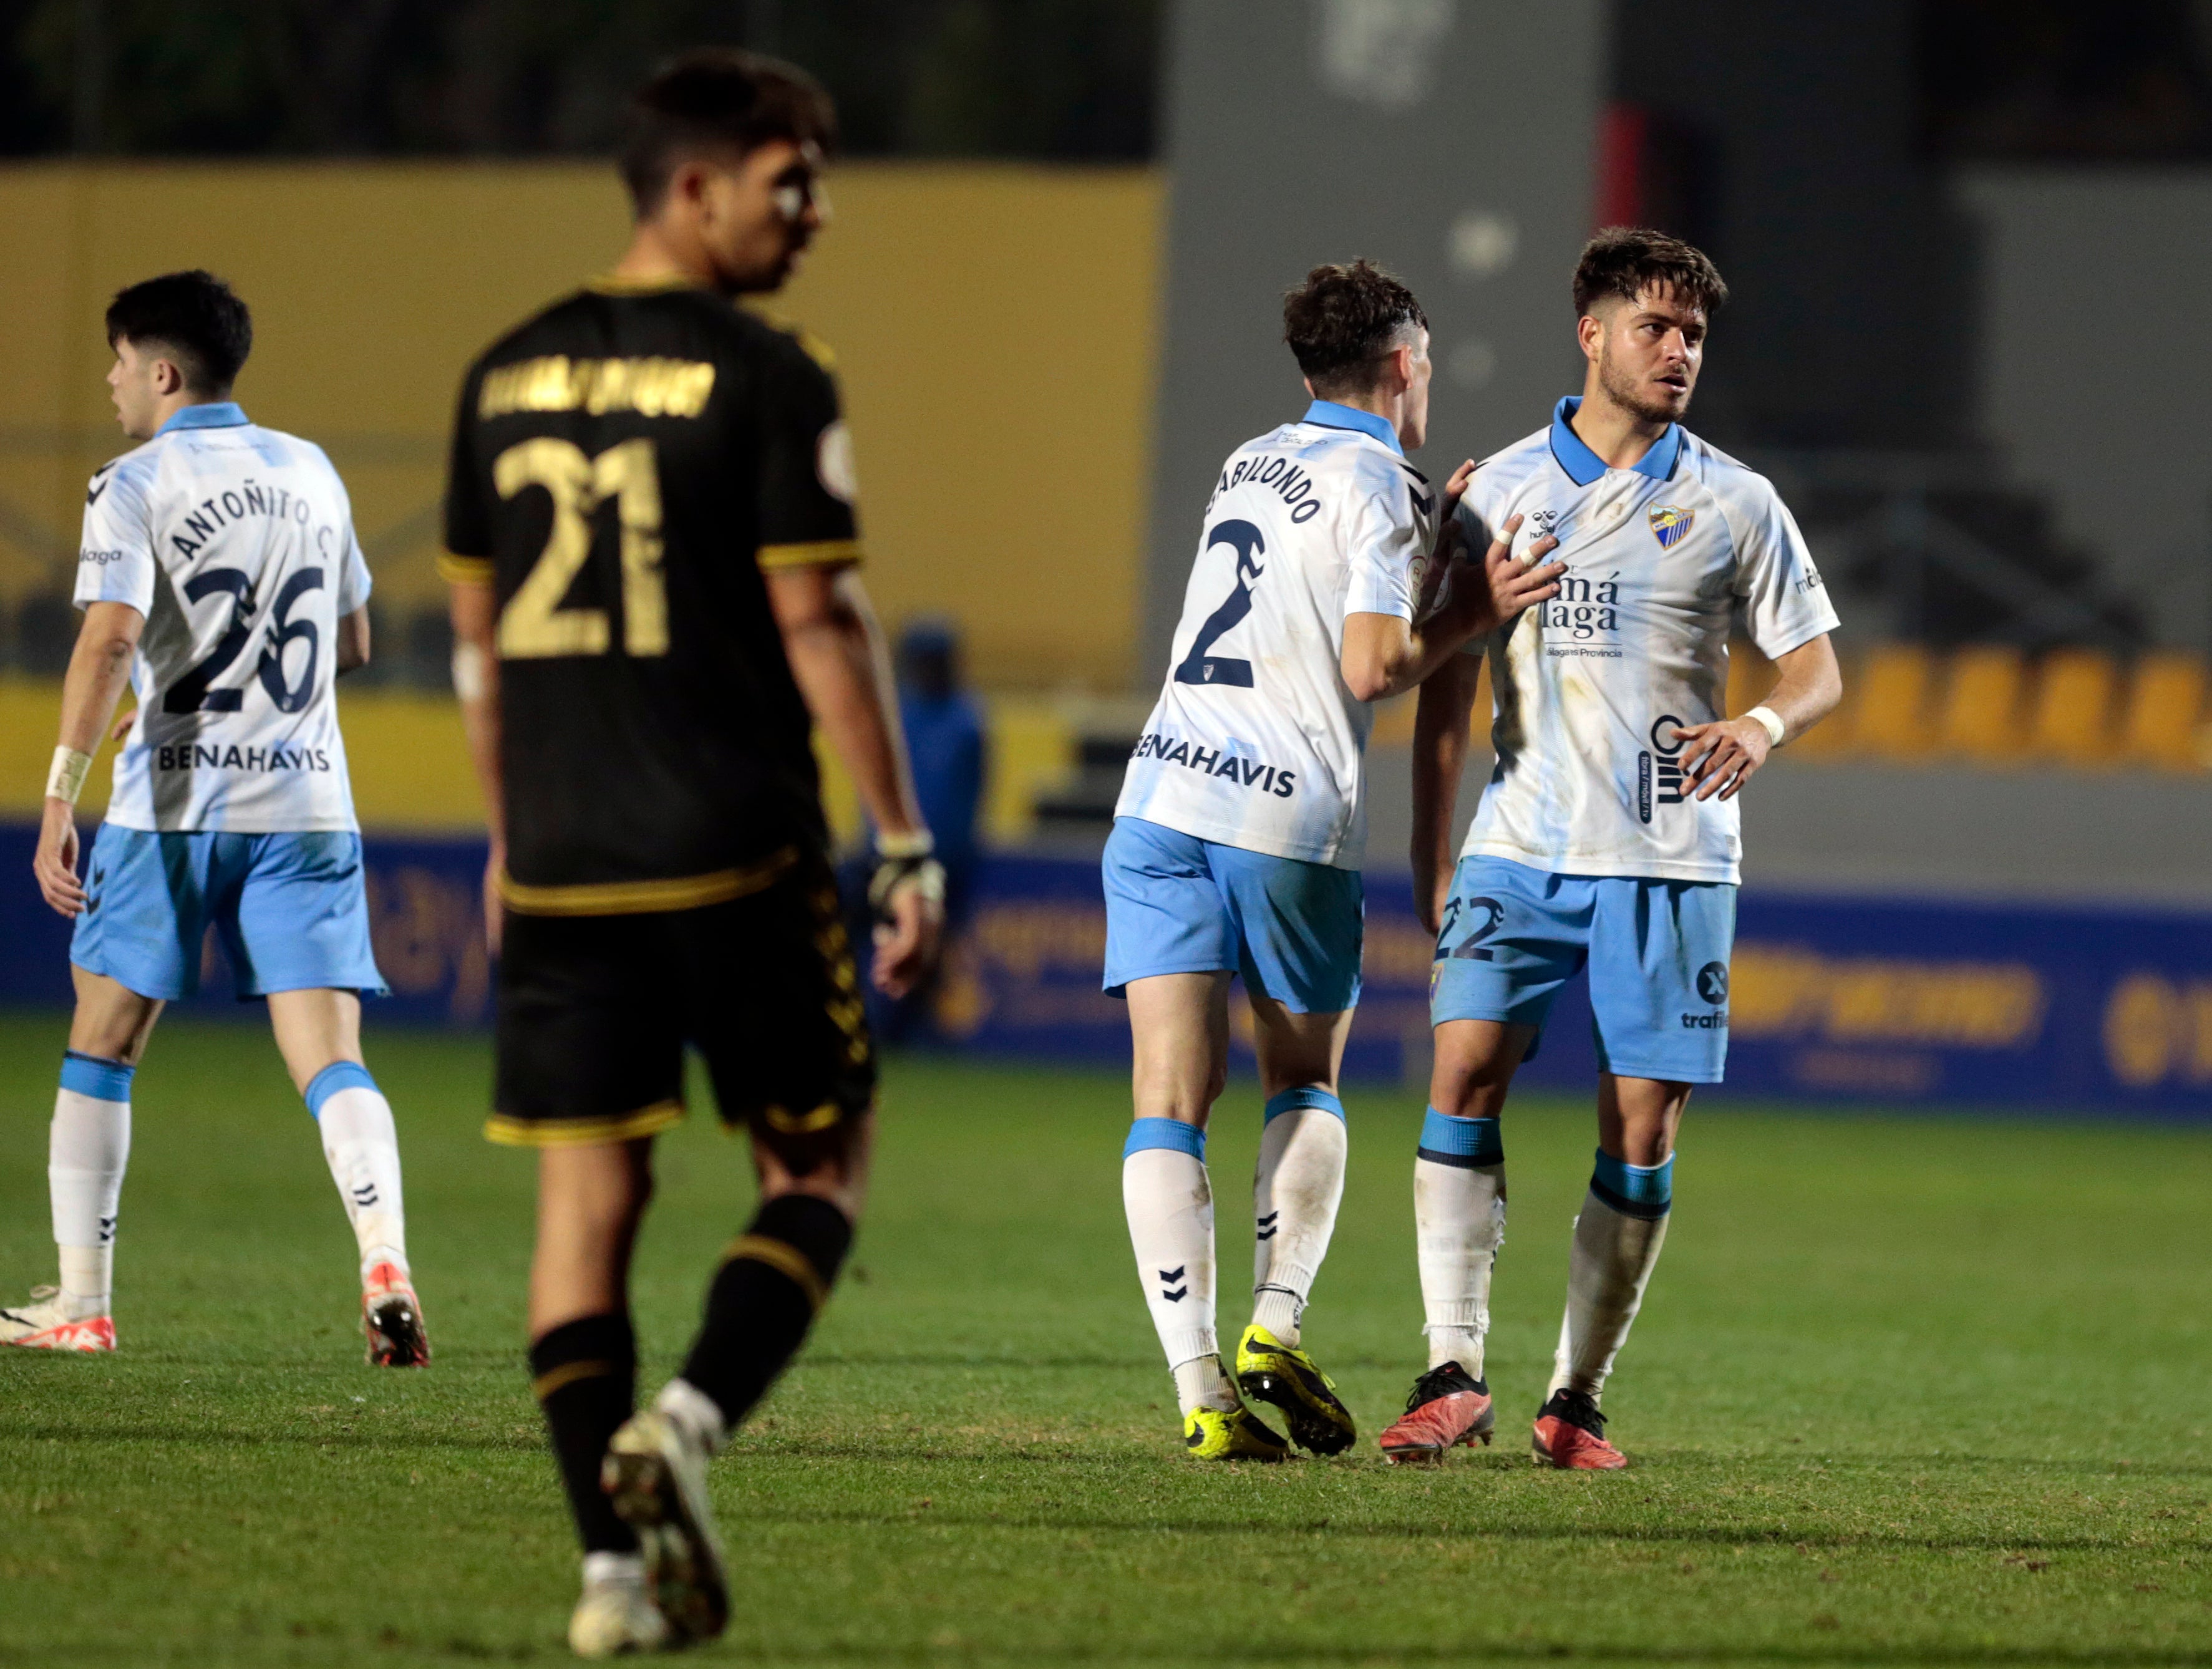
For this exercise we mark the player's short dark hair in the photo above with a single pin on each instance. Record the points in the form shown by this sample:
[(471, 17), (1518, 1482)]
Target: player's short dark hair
[(1622, 262), (718, 99), (195, 317), (1343, 319)]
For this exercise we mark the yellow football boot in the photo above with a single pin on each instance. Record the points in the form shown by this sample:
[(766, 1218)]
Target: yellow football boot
[(1271, 1371), (1230, 1434)]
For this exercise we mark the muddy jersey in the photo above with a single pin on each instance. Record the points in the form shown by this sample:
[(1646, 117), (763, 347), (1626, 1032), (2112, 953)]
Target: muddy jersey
[(236, 543), (1255, 741), (1589, 690)]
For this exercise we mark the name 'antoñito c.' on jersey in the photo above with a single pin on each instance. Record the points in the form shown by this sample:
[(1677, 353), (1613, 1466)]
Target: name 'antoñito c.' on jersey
[(1590, 690), (236, 543), (1255, 741)]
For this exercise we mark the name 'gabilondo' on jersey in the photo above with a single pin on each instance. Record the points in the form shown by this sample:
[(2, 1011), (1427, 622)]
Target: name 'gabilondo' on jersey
[(1590, 690), (1256, 741), (625, 466)]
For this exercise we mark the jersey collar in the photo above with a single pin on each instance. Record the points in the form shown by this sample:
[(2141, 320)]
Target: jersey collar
[(214, 414), (1329, 415), (1584, 466)]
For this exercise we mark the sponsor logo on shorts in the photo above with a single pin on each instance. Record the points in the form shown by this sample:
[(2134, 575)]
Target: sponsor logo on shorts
[(1712, 988)]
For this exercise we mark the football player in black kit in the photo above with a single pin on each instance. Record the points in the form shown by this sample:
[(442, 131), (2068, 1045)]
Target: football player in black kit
[(653, 555)]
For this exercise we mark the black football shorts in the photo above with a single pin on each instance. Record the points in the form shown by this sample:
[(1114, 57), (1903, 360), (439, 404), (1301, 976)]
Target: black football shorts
[(595, 1010)]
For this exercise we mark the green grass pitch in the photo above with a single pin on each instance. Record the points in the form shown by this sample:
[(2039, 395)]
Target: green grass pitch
[(1904, 1391)]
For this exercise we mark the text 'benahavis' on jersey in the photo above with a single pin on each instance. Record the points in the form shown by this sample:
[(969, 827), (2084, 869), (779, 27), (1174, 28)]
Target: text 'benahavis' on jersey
[(1256, 743), (1590, 688), (625, 467), (236, 543)]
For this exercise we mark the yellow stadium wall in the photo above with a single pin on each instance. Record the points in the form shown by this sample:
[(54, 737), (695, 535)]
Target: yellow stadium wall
[(995, 328)]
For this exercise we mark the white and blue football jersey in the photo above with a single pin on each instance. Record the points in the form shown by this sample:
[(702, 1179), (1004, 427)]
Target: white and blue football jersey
[(1256, 741), (1589, 689), (237, 544)]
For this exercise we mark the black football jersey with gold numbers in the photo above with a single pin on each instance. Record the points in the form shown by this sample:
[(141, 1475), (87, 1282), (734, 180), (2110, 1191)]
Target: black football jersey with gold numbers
[(626, 467)]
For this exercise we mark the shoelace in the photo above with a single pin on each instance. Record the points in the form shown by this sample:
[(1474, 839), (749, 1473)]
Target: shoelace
[(1577, 1410), (1438, 1383)]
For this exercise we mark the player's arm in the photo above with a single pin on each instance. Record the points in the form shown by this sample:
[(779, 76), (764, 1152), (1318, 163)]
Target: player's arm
[(475, 610), (1440, 732), (1721, 756), (842, 667), (1387, 655), (99, 671), (353, 641)]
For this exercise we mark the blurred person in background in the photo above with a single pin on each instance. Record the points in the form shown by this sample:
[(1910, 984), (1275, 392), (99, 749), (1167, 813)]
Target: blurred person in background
[(220, 579), (949, 751), (1607, 835), (654, 552)]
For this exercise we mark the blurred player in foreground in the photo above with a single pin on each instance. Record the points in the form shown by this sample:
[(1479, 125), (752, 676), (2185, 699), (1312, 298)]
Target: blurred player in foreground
[(1607, 835), (220, 577), (1242, 824), (653, 547)]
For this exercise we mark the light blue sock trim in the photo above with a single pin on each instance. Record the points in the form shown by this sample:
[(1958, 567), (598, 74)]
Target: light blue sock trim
[(338, 1075), (89, 1075), (1477, 1141), (1172, 1134), (1639, 1185), (1306, 1096)]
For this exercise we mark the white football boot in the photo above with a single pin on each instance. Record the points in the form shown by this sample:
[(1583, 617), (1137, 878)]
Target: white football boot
[(616, 1615), (44, 1324), (656, 1473)]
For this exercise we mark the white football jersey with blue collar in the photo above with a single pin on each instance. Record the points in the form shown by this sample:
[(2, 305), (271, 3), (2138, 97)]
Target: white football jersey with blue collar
[(236, 543), (1589, 689), (1256, 741)]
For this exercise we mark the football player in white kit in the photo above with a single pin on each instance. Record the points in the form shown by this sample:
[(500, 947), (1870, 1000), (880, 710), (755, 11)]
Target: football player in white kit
[(1607, 835), (1239, 834), (220, 576)]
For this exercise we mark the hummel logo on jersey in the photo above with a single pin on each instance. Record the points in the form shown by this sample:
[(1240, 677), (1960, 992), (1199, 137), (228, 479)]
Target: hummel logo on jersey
[(1670, 526), (99, 484), (1426, 506), (1172, 1275)]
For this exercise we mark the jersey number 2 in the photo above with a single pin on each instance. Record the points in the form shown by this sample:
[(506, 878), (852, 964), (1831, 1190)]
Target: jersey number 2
[(1198, 667), (534, 625)]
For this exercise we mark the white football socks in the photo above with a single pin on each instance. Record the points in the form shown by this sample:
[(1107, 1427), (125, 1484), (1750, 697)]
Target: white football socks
[(1617, 1240), (1296, 1188), (88, 1149), (1459, 1223), (1170, 1204), (362, 1146)]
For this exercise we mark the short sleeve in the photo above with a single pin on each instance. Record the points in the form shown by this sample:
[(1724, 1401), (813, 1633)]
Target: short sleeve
[(806, 481), (354, 581), (115, 559), (468, 553), (1785, 602), (1387, 546)]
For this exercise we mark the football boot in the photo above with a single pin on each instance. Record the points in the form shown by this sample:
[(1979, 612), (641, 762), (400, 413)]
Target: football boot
[(45, 1325), (614, 1619), (1570, 1435), (1230, 1434), (656, 1473), (1270, 1371), (1448, 1407), (391, 1316)]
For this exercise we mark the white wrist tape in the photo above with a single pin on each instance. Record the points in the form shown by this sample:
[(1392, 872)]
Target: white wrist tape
[(469, 664), (919, 844), (66, 780), (1769, 721)]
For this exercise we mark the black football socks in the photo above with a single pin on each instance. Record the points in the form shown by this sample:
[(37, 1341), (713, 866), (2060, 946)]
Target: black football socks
[(764, 1297), (585, 1374)]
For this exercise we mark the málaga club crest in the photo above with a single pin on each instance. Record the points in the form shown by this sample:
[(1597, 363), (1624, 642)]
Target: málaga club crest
[(1669, 525)]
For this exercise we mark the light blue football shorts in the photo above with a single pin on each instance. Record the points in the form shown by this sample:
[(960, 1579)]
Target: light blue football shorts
[(1657, 951), (291, 908), (1175, 904)]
